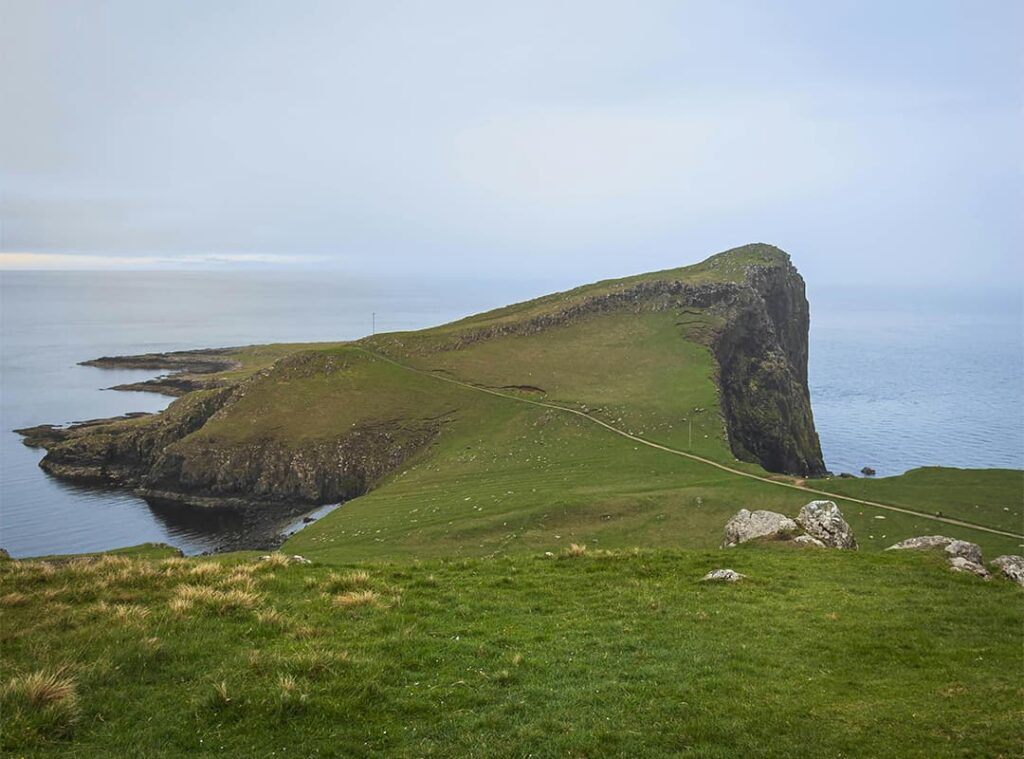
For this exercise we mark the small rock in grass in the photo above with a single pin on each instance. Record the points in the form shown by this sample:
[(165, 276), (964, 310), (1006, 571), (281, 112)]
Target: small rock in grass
[(1011, 567), (824, 521), (921, 543), (969, 551), (807, 540), (723, 575), (960, 564), (748, 525)]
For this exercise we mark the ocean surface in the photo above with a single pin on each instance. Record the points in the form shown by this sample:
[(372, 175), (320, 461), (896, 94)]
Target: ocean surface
[(898, 380)]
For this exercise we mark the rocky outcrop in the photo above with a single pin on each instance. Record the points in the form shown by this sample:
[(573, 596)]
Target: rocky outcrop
[(762, 358), (921, 543), (1011, 567), (824, 521), (754, 525), (961, 555), (190, 370), (819, 524), (961, 564), (964, 550), (722, 575), (158, 457)]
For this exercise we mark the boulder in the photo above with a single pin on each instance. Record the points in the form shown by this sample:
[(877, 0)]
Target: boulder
[(921, 543), (1011, 567), (748, 525), (868, 471), (969, 551), (722, 575), (960, 564), (807, 540), (823, 520)]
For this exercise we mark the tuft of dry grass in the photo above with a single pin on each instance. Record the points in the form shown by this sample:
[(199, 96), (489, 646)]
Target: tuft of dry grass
[(275, 560), (336, 582), (221, 692), (206, 569), (127, 614), (212, 599), (44, 702), (13, 599), (575, 551), (271, 618), (356, 598)]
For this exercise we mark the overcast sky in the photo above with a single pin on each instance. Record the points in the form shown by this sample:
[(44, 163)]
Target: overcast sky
[(872, 140)]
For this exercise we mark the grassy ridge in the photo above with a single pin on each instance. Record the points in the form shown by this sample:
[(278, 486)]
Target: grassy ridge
[(817, 654)]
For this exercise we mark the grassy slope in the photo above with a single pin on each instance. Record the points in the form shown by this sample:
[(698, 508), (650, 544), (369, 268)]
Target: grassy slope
[(818, 654)]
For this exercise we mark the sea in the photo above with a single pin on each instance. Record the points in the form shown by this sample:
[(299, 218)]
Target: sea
[(898, 378)]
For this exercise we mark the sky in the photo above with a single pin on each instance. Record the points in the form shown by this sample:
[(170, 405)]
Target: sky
[(874, 141)]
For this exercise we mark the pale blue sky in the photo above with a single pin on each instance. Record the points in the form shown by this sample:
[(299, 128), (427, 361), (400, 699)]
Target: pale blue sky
[(576, 140)]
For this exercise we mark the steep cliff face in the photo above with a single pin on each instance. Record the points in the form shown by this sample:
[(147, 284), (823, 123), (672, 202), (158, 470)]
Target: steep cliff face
[(762, 357), (156, 456)]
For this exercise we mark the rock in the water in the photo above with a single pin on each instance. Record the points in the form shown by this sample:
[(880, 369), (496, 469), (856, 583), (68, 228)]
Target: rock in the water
[(960, 564), (723, 575), (823, 520), (807, 540), (748, 525), (921, 543), (1011, 567), (868, 471), (969, 551)]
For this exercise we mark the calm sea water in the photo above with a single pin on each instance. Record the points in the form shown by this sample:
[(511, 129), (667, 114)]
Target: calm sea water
[(897, 380)]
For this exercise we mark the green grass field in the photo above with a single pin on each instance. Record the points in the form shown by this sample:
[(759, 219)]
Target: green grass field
[(817, 654)]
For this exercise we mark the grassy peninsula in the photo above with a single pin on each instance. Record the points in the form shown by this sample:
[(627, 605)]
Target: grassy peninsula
[(532, 496)]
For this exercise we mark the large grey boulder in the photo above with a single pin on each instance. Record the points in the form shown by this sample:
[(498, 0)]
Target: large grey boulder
[(722, 575), (823, 520), (963, 549), (749, 525), (960, 564), (1011, 567), (922, 543)]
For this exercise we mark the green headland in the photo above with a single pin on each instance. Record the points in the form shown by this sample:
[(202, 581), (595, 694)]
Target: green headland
[(531, 496)]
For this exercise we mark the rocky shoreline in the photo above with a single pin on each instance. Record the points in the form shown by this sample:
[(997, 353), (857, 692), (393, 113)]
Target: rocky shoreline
[(188, 370)]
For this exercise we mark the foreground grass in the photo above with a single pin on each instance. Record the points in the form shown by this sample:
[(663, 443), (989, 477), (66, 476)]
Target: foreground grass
[(818, 653)]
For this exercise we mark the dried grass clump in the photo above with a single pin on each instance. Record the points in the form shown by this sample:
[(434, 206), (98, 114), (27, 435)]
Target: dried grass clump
[(271, 618), (356, 598), (336, 582), (274, 560), (44, 702), (13, 599), (206, 569), (212, 599), (574, 551), (128, 614)]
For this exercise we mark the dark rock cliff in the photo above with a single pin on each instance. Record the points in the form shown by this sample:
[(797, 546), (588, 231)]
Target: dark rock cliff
[(146, 453), (762, 358)]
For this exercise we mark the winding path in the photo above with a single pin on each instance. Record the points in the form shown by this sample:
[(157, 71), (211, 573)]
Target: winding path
[(694, 457)]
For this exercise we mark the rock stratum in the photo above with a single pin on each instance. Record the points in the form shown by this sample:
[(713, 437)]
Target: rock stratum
[(323, 424)]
